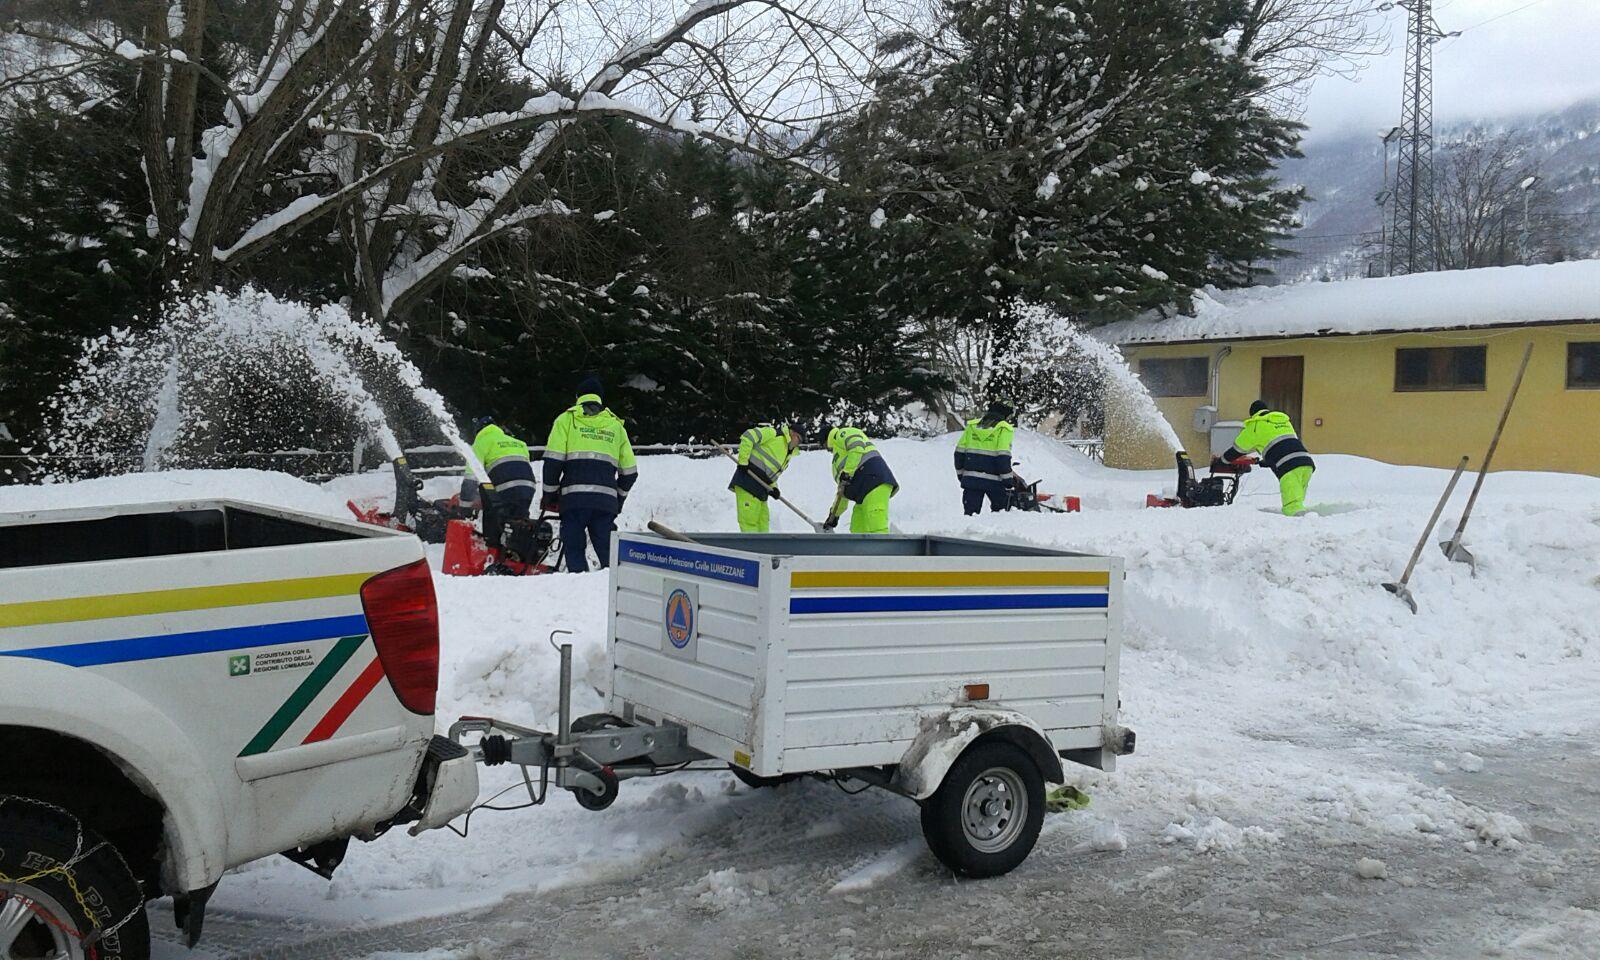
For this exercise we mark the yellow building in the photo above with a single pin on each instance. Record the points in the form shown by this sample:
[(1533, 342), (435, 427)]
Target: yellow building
[(1411, 370)]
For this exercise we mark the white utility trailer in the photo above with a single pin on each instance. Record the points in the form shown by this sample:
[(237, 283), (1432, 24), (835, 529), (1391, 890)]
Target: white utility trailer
[(955, 672)]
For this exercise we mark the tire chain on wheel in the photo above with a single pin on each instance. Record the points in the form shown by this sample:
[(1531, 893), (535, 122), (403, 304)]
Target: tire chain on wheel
[(65, 872)]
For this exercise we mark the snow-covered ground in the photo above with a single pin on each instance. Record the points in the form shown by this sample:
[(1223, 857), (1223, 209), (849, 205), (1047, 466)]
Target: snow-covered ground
[(1291, 715)]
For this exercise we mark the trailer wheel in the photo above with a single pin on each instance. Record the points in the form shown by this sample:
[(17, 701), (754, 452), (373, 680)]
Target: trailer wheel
[(597, 721), (755, 782), (599, 801), (985, 817), (67, 892)]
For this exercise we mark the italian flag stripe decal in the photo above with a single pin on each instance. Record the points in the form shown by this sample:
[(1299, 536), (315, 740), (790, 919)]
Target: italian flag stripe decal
[(321, 675), (347, 703)]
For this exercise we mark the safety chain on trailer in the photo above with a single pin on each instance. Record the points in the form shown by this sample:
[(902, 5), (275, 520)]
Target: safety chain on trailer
[(9, 885)]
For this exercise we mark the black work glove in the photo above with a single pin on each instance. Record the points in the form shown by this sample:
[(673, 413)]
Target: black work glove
[(830, 523), (773, 491)]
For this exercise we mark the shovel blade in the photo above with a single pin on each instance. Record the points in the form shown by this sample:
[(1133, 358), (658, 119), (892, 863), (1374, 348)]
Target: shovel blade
[(1399, 590), (1457, 553)]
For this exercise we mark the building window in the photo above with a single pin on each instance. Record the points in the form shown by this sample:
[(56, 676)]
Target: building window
[(1177, 377), (1440, 368), (1583, 366)]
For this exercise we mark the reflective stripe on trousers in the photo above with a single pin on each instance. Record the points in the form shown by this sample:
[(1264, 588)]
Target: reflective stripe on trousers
[(573, 488)]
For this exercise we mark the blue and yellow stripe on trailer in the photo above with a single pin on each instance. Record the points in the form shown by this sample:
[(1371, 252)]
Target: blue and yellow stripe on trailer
[(815, 592)]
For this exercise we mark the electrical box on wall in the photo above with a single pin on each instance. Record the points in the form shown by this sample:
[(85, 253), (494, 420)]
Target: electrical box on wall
[(1223, 433), (1205, 417)]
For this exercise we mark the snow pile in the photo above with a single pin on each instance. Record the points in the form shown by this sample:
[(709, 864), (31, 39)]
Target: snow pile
[(1217, 835), (1369, 869), (1489, 296), (728, 889)]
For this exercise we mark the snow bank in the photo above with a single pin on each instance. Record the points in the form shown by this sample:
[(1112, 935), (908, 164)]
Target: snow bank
[(1264, 662), (1420, 301)]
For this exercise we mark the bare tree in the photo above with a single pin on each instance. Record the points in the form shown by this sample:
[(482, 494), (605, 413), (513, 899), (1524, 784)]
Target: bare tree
[(1296, 41), (381, 106), (1491, 207)]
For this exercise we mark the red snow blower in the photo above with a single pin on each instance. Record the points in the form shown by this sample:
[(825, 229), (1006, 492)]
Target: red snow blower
[(1026, 497), (1216, 490), (426, 518), (526, 548)]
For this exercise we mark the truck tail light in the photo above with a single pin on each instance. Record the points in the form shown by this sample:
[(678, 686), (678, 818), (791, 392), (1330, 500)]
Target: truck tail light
[(404, 619)]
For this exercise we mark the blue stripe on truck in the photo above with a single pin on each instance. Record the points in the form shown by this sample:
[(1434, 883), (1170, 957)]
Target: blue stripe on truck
[(100, 652), (925, 604)]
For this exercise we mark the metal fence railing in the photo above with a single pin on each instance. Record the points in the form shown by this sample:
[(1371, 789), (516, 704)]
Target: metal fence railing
[(321, 465)]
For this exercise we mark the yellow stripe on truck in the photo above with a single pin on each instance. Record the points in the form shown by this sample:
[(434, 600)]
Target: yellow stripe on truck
[(107, 606), (950, 578)]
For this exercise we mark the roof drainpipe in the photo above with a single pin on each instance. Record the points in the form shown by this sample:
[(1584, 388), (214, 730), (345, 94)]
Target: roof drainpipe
[(1216, 373)]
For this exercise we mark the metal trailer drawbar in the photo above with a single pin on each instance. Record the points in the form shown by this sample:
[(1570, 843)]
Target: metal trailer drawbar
[(957, 673)]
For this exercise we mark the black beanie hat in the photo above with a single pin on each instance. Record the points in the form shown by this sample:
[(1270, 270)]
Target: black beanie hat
[(1260, 406), (591, 384)]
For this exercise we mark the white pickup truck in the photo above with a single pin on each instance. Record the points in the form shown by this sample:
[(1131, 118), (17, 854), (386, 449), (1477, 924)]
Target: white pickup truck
[(186, 687)]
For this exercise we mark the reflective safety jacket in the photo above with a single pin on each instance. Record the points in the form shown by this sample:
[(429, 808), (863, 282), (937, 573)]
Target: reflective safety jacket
[(1270, 434), (763, 456), (588, 458), (505, 457), (855, 458), (983, 456)]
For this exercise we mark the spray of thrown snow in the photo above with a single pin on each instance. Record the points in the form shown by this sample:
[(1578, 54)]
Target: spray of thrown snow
[(222, 374), (1082, 372)]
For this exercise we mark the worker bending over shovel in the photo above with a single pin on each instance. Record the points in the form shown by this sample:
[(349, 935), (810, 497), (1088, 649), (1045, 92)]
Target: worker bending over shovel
[(1269, 433), (863, 478), (764, 453)]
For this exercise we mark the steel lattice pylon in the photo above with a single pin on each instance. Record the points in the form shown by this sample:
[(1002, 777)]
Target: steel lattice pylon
[(1411, 242)]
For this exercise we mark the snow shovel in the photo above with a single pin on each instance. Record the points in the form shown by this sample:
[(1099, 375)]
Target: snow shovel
[(815, 526), (1452, 548), (1399, 589)]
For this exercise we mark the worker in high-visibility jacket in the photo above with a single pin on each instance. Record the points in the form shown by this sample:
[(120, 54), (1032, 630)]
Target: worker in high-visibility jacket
[(511, 483), (863, 478), (764, 453), (983, 461), (1269, 433), (588, 470)]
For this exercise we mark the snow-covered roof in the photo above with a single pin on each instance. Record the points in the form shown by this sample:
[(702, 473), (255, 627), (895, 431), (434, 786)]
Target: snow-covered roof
[(1492, 296)]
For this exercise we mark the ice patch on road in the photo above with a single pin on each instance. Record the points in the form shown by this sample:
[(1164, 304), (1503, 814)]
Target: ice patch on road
[(881, 867), (1569, 935)]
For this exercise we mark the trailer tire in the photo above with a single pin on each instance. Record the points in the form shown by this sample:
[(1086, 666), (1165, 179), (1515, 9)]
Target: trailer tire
[(590, 722), (73, 881), (985, 817), (755, 782), (599, 801)]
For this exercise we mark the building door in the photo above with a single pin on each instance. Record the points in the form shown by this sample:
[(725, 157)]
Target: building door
[(1283, 381)]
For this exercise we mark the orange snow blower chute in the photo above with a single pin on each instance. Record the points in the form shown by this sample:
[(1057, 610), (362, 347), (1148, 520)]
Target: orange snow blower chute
[(1216, 490)]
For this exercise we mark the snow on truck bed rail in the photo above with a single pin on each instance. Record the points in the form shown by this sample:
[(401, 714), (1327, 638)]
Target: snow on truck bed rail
[(1256, 644), (1491, 296)]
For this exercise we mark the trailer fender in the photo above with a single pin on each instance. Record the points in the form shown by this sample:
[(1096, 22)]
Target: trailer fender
[(943, 738)]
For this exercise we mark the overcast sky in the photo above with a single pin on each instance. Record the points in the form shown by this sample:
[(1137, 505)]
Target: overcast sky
[(1545, 56)]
